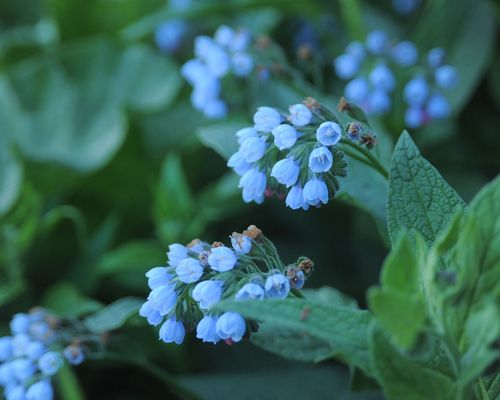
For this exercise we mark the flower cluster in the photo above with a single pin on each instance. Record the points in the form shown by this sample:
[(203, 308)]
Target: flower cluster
[(200, 275), (227, 53), (371, 69), (295, 155), (33, 354)]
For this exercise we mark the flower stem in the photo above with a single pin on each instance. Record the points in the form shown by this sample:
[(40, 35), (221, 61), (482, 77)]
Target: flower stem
[(370, 159)]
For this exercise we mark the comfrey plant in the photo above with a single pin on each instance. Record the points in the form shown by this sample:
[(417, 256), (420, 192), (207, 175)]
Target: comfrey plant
[(378, 72), (185, 293), (37, 349), (297, 155), (227, 54)]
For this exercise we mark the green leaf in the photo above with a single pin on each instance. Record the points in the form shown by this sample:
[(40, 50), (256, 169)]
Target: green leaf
[(400, 269), (419, 198), (291, 344), (344, 328), (68, 386), (113, 316), (11, 173), (306, 382), (159, 83), (137, 256), (401, 314), (402, 377), (65, 300), (221, 137)]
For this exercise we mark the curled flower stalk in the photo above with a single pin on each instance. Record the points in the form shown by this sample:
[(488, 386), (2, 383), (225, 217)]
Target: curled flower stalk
[(38, 347), (200, 275), (299, 155)]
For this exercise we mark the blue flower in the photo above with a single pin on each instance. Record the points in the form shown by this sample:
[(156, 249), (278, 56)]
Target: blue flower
[(152, 315), (414, 117), (240, 41), (207, 293), (405, 7), (194, 70), (346, 66), (169, 35), (438, 107), (189, 270), (253, 149), (356, 49), (35, 350), (295, 198), (266, 119), (222, 259), (162, 298), (15, 393), (176, 253), (74, 354), (245, 133), (218, 61), (315, 192), (215, 109), (320, 160), (253, 183), (446, 76), (379, 102), (250, 291), (382, 77), (172, 331), (41, 390), (20, 343), (405, 53), (435, 57), (277, 286), (23, 369), (230, 326), (203, 46), (7, 374), (5, 348), (158, 276), (224, 35), (377, 42), (296, 278), (206, 89), (285, 136), (329, 133), (40, 330), (357, 90), (50, 363), (242, 244), (300, 115), (20, 323), (416, 91), (242, 63), (206, 329), (286, 172), (238, 163)]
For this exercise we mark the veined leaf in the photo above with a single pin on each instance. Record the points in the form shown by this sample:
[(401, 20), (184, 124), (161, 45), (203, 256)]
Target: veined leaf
[(114, 315)]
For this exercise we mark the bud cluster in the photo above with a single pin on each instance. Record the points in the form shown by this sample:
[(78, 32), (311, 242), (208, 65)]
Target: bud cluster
[(294, 155), (227, 53), (371, 69), (38, 347), (199, 275)]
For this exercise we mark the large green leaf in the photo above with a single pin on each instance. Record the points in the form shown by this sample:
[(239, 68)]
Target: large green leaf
[(345, 328), (402, 377), (66, 300), (419, 198), (11, 172), (221, 137), (113, 316)]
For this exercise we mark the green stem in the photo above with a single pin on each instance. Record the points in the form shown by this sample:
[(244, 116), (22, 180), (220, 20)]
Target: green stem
[(68, 385), (352, 18), (372, 160)]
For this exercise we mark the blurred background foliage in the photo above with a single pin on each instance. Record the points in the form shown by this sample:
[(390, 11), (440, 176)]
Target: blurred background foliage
[(102, 166)]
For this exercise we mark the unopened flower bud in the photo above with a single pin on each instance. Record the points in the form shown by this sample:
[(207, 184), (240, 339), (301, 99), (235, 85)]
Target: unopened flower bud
[(305, 265), (296, 277), (253, 232)]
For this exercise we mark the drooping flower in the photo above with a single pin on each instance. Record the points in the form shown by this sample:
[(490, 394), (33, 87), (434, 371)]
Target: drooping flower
[(206, 329), (172, 331), (230, 325), (207, 293), (222, 259), (286, 172), (277, 286), (189, 270)]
